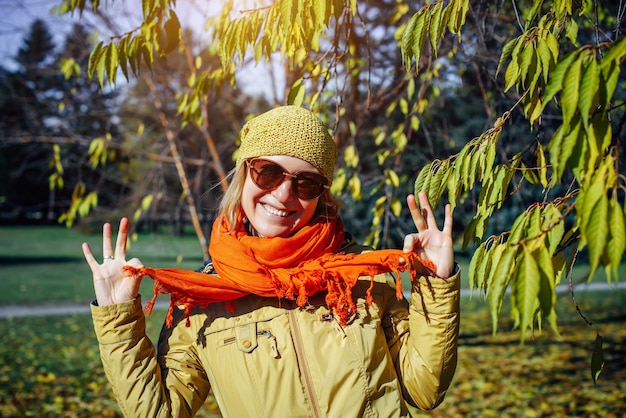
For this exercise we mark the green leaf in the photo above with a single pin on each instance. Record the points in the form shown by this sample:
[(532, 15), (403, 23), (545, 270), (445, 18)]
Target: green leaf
[(512, 74), (617, 244), (506, 52), (422, 180), (483, 268), (592, 190), (94, 58), (439, 182), (500, 278), (597, 359), (111, 61), (419, 36), (518, 229), (472, 272), (435, 27), (406, 44), (545, 57), (553, 46), (532, 13), (296, 94), (570, 140), (597, 233), (571, 31), (534, 233), (571, 88), (526, 288), (146, 202), (556, 81), (547, 287), (589, 86), (525, 62), (122, 48), (553, 223)]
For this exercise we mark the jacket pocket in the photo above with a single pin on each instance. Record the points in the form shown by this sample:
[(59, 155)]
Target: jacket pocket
[(247, 339)]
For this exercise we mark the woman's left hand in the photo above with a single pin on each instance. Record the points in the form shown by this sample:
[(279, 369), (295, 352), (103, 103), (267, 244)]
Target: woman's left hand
[(429, 242)]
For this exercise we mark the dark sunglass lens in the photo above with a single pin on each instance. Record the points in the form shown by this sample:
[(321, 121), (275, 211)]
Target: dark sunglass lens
[(309, 185), (266, 174)]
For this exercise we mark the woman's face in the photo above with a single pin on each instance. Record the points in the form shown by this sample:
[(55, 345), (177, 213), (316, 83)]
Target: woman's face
[(278, 212)]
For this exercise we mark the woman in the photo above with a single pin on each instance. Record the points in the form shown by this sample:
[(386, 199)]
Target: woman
[(291, 317)]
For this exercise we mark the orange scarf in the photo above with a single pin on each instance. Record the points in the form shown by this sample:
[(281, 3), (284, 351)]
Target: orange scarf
[(294, 268)]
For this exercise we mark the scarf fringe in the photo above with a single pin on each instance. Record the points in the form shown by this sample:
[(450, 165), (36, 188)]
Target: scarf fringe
[(190, 289)]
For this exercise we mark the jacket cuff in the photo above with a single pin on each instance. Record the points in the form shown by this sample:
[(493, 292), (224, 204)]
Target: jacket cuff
[(441, 296), (118, 322)]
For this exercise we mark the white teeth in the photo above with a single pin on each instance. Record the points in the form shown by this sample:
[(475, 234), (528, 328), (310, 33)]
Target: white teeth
[(275, 211)]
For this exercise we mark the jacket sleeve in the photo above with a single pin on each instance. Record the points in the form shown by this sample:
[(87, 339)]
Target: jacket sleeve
[(174, 384), (424, 345)]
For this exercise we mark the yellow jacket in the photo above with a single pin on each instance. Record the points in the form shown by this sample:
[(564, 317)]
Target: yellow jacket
[(270, 358)]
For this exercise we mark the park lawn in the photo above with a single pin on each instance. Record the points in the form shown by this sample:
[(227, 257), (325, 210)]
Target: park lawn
[(46, 264)]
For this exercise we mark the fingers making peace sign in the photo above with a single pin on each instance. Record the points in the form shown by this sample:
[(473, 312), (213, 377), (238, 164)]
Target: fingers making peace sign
[(429, 242), (111, 284)]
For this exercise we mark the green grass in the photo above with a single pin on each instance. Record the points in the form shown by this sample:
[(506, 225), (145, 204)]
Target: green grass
[(46, 264)]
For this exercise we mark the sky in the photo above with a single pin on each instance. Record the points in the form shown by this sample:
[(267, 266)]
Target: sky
[(16, 16)]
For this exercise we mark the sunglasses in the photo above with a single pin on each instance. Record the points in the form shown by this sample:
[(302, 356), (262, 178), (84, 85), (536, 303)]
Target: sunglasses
[(268, 175)]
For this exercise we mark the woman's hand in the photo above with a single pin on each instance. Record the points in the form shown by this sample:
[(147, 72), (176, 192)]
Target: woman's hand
[(111, 284), (429, 242)]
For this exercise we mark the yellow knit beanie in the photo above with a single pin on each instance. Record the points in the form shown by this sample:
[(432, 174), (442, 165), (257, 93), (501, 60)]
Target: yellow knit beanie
[(292, 131)]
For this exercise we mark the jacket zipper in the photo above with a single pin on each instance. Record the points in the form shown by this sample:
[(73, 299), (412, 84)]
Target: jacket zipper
[(304, 367), (272, 339)]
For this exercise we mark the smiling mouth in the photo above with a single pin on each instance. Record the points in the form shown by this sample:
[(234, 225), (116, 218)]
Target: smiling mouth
[(275, 212)]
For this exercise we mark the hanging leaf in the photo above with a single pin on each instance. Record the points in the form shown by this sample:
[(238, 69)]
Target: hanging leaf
[(526, 289), (571, 88), (506, 52), (597, 233), (547, 287), (557, 77), (172, 32), (597, 359), (617, 244), (505, 268), (296, 94), (589, 86)]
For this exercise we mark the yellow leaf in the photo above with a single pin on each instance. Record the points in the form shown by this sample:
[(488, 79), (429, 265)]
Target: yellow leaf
[(396, 206), (355, 187), (393, 177)]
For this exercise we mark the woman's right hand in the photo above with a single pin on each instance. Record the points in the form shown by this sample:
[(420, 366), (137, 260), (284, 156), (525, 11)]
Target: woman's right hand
[(111, 284)]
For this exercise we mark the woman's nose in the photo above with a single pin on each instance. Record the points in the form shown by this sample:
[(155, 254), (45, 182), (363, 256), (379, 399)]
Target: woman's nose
[(284, 191)]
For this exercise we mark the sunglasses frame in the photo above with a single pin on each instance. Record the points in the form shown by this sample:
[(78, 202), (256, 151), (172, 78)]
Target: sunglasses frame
[(286, 174)]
